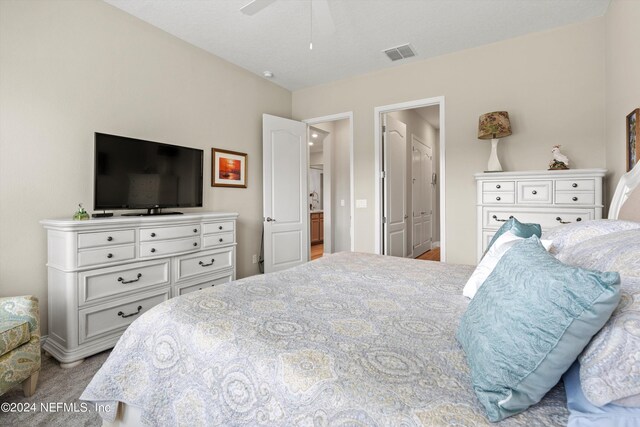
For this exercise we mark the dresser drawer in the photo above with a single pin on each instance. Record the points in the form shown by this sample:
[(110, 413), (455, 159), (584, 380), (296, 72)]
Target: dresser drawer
[(218, 227), (575, 198), (104, 238), (493, 218), (175, 232), (105, 255), (219, 239), (122, 280), (499, 198), (534, 191), (168, 247), (113, 318), (187, 288), (193, 265), (575, 184), (498, 186)]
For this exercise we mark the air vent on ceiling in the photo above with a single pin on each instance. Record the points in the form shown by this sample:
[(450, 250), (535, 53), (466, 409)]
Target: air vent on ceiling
[(400, 52)]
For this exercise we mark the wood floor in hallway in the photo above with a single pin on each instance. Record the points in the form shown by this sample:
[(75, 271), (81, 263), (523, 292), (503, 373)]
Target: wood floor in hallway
[(316, 251), (431, 255)]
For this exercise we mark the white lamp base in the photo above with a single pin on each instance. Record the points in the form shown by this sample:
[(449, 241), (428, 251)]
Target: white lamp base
[(494, 164)]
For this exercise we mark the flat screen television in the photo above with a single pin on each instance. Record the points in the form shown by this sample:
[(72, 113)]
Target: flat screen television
[(136, 174)]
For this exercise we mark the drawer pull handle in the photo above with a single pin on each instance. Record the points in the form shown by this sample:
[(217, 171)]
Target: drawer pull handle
[(124, 282), (195, 243), (121, 314), (209, 285), (498, 198), (109, 255), (575, 199), (220, 228), (579, 219), (534, 192), (195, 230), (221, 240), (153, 250), (574, 185), (109, 239), (501, 220), (498, 186), (207, 265), (566, 222), (153, 234)]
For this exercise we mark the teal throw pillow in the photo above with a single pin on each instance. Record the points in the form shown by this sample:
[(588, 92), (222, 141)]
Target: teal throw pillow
[(528, 323), (519, 229)]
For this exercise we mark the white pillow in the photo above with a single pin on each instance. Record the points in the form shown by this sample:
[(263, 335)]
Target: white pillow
[(490, 260)]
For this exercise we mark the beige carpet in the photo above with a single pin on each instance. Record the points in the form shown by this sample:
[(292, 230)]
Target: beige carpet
[(55, 387)]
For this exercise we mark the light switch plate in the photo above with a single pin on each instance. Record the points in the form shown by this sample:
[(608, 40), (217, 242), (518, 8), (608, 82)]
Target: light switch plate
[(361, 203)]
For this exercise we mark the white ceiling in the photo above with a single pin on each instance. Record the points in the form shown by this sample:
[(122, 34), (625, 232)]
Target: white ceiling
[(277, 37)]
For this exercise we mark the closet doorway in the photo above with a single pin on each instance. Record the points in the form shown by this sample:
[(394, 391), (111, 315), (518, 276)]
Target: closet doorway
[(410, 188), (330, 184)]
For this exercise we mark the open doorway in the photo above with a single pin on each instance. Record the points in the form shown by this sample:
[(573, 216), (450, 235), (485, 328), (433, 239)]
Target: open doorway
[(330, 185), (317, 192), (410, 153)]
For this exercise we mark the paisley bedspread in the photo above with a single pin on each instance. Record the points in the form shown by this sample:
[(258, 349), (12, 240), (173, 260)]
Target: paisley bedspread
[(349, 339)]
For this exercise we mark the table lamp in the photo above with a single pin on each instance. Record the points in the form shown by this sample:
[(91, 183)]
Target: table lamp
[(493, 126)]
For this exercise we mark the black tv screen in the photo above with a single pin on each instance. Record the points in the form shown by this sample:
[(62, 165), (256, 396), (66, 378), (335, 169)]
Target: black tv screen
[(136, 174)]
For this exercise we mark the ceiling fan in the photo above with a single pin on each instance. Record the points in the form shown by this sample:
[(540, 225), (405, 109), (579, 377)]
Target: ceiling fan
[(319, 8)]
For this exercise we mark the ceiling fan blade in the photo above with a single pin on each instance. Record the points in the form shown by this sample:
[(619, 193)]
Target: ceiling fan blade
[(255, 6), (324, 19)]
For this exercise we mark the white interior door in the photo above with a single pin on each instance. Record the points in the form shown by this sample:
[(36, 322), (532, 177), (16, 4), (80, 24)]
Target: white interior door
[(284, 163), (422, 195), (395, 178)]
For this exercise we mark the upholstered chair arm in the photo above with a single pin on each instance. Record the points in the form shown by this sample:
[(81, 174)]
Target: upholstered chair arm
[(22, 308)]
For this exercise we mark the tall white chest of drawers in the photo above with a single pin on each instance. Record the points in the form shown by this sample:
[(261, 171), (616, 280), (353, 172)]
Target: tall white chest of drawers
[(549, 198), (104, 273)]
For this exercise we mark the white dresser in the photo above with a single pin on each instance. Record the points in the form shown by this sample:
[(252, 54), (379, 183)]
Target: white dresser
[(549, 198), (104, 273)]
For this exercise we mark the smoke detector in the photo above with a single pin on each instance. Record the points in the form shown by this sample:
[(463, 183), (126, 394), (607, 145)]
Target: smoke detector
[(400, 52)]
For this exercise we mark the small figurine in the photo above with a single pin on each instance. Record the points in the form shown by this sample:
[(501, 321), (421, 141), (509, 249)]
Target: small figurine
[(80, 214), (560, 161)]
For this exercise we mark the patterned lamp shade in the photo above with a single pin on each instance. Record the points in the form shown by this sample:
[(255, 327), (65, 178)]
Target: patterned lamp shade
[(494, 125)]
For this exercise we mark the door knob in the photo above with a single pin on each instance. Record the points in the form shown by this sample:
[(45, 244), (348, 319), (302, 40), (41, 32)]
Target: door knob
[(269, 219)]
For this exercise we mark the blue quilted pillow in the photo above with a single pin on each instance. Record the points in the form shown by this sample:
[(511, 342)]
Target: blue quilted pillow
[(517, 228), (527, 324)]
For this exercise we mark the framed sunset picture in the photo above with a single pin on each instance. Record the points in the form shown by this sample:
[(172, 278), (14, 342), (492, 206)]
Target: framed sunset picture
[(228, 169)]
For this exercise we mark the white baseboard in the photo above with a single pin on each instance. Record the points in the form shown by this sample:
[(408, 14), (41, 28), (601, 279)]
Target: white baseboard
[(435, 244), (43, 339)]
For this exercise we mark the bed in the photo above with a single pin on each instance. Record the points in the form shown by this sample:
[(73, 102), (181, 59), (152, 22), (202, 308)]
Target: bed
[(349, 339)]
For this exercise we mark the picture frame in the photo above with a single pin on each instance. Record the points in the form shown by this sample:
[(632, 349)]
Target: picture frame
[(228, 168), (633, 133)]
